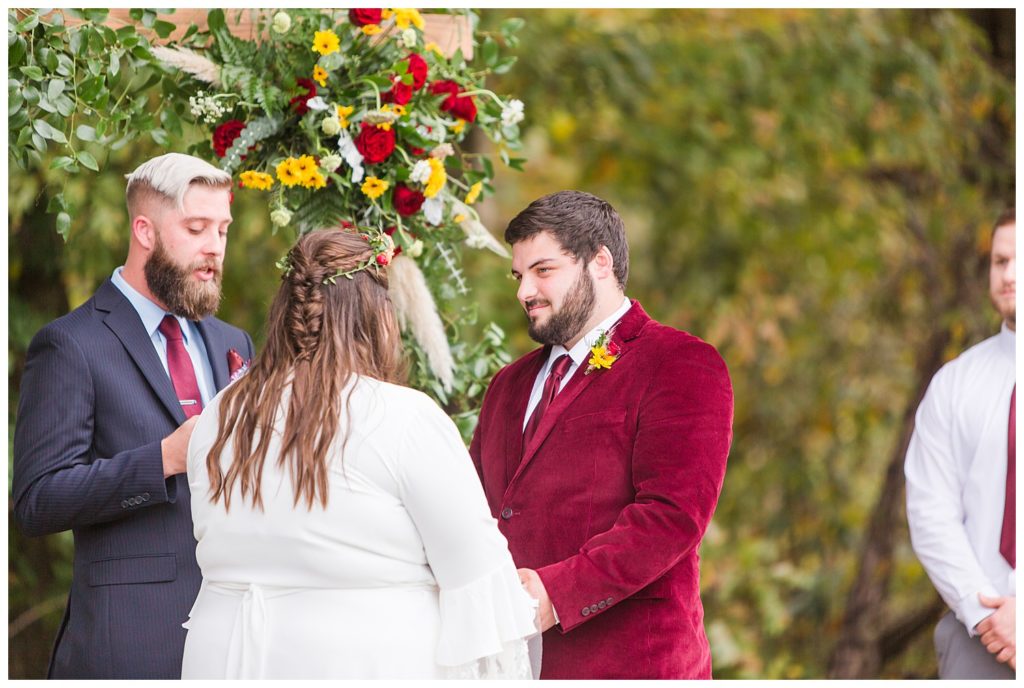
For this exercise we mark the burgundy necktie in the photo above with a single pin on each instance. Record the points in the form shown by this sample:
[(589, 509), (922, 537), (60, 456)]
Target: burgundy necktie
[(179, 365), (551, 385), (1008, 537)]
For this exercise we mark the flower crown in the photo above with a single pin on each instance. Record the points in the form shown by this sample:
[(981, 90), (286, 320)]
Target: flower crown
[(383, 252)]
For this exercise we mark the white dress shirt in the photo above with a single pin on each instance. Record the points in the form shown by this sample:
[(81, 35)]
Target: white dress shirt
[(152, 315), (956, 477), (579, 354)]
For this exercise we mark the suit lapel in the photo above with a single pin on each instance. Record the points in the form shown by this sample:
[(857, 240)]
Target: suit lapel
[(215, 351), (123, 320), (519, 400), (625, 331)]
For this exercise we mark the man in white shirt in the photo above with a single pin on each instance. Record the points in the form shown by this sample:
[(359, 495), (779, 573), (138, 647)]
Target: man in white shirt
[(961, 469)]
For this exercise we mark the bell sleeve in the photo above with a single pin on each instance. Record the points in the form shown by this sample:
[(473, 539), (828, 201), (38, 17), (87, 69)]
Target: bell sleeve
[(486, 615)]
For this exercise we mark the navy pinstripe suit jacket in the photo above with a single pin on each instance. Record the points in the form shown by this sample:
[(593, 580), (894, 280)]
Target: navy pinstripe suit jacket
[(95, 404)]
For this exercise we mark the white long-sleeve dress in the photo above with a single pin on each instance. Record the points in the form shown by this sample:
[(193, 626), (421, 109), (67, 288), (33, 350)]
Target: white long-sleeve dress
[(403, 575)]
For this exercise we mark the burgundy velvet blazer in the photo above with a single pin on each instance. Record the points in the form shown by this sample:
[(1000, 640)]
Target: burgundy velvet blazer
[(610, 500)]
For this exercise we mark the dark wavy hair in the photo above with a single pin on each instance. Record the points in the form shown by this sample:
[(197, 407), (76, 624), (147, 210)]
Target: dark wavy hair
[(581, 223), (319, 334)]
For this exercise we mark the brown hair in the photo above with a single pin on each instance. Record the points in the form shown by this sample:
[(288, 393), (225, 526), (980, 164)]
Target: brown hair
[(581, 222), (319, 334), (1007, 217)]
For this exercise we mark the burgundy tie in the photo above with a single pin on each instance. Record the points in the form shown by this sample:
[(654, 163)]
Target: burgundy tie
[(551, 385), (1008, 537), (179, 364)]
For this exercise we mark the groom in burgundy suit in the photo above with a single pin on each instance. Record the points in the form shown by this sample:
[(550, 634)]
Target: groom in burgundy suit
[(602, 454)]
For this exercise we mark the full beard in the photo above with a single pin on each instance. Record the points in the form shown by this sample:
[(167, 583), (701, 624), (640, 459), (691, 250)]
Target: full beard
[(571, 318), (177, 289)]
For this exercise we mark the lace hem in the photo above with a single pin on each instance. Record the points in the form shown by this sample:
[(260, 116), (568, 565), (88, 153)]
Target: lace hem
[(513, 662)]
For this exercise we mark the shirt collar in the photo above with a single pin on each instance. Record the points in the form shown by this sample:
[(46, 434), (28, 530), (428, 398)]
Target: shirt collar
[(150, 313), (1007, 340), (579, 352)]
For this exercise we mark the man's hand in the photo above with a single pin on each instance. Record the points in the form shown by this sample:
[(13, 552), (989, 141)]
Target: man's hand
[(998, 631), (174, 448), (535, 587)]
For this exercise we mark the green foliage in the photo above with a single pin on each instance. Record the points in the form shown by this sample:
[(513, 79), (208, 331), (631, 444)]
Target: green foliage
[(78, 90)]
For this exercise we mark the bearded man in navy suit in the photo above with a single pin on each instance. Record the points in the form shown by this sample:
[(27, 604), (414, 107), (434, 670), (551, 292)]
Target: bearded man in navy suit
[(110, 395)]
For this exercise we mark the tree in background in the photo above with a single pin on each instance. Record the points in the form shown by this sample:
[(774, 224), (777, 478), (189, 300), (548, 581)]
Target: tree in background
[(810, 191)]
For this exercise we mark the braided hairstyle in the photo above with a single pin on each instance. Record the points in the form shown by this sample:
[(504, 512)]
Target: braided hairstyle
[(320, 332)]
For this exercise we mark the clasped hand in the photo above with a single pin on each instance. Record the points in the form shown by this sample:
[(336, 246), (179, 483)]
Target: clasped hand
[(998, 630), (535, 587)]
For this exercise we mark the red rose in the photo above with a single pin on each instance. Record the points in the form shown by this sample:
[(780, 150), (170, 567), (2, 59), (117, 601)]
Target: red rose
[(400, 93), (225, 135), (418, 69), (463, 108), (300, 101), (363, 16), (612, 347), (375, 144), (407, 201)]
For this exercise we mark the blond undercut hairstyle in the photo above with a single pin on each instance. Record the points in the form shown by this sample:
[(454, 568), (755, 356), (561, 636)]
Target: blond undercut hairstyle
[(167, 178)]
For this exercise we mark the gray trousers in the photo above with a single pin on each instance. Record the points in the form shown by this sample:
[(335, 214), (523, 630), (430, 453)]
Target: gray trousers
[(964, 657)]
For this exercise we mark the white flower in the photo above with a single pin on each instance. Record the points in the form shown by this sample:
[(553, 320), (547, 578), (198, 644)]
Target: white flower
[(281, 217), (330, 162), (442, 151), (433, 210), (512, 113), (317, 103), (408, 38), (420, 172), (416, 250), (330, 125), (282, 22), (348, 150)]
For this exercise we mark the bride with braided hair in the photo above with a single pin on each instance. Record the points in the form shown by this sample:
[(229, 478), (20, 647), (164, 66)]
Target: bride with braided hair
[(342, 531)]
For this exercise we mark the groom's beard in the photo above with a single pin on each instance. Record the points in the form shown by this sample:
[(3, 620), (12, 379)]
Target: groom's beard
[(573, 315), (177, 288)]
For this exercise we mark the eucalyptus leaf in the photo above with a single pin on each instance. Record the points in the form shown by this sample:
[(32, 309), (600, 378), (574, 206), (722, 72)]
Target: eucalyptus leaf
[(63, 225), (85, 132), (55, 88), (87, 160)]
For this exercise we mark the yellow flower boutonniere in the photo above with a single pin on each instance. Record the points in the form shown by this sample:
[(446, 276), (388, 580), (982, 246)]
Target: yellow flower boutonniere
[(603, 353)]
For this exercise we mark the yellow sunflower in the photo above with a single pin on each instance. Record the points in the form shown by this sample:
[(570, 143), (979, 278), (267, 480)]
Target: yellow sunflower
[(320, 75), (474, 193), (288, 172), (343, 112), (437, 178), (315, 181), (326, 42), (405, 17), (374, 188), (260, 181), (306, 167)]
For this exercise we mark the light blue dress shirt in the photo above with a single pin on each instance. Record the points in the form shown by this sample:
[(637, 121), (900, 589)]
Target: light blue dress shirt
[(152, 315)]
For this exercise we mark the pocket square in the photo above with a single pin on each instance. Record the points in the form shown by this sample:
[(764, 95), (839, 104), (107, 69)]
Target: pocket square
[(236, 364)]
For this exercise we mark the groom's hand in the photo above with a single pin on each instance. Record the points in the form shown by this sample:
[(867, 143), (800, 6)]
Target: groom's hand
[(535, 587), (998, 630)]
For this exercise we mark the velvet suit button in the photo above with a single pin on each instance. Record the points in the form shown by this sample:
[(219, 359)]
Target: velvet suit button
[(609, 600), (602, 604), (593, 608), (585, 611), (506, 513)]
